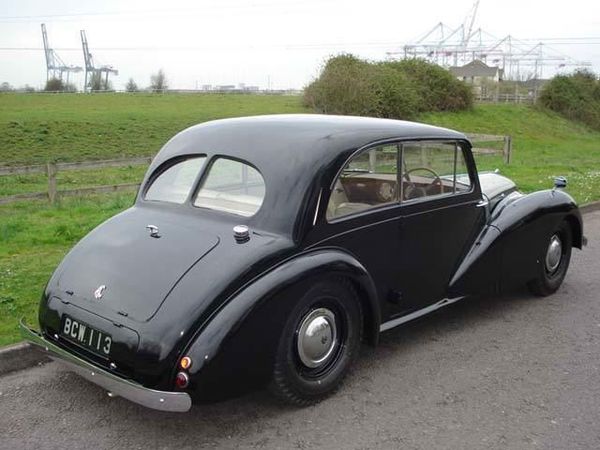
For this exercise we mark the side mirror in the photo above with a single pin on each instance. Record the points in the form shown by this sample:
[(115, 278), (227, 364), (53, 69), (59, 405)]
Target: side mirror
[(560, 183)]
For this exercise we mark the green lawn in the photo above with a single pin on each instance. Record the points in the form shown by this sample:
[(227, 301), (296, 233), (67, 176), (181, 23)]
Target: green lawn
[(36, 128), (545, 145), (34, 236), (18, 184)]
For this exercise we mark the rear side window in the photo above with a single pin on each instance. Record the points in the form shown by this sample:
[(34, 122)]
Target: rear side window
[(232, 186), (368, 180), (174, 184)]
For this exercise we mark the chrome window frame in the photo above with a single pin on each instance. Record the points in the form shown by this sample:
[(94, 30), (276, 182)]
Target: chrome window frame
[(399, 161)]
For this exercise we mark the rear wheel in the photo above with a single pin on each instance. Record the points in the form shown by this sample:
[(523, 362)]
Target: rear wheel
[(320, 340), (554, 262)]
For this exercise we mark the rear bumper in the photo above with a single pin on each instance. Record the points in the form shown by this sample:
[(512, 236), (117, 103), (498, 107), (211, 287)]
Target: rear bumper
[(115, 385)]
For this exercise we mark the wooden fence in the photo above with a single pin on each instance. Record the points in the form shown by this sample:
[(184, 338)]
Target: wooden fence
[(506, 98), (506, 150), (51, 170)]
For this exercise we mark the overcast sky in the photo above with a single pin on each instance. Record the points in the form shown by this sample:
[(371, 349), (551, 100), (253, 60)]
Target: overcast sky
[(281, 42)]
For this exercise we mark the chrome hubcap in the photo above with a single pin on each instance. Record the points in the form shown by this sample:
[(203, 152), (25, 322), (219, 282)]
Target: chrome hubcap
[(553, 254), (317, 337)]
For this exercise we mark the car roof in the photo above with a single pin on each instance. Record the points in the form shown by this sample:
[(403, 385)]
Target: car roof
[(302, 136), (291, 150)]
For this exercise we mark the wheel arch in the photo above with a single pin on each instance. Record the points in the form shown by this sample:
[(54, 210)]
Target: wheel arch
[(576, 224), (243, 333), (499, 258)]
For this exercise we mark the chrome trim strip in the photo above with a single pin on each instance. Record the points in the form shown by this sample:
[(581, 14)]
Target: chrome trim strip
[(421, 312), (115, 385), (317, 208)]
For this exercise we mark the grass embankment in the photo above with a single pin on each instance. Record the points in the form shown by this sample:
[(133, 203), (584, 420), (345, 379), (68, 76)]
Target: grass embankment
[(34, 236), (38, 128), (545, 145)]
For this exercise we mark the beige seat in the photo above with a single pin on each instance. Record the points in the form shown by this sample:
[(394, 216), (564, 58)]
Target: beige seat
[(340, 206)]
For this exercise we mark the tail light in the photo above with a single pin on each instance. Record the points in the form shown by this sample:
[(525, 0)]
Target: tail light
[(182, 380), (185, 363)]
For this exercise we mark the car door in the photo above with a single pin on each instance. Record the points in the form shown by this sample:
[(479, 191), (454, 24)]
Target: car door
[(442, 211), (408, 236), (363, 217)]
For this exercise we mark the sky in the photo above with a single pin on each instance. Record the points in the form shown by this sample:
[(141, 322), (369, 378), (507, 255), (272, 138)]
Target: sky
[(277, 44)]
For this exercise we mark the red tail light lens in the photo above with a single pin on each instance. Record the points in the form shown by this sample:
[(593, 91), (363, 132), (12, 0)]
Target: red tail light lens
[(182, 380)]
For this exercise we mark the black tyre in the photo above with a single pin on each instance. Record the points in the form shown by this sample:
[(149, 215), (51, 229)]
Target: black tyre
[(554, 262), (320, 340)]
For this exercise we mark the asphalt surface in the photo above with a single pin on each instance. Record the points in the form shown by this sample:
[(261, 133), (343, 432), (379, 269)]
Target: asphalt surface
[(512, 372)]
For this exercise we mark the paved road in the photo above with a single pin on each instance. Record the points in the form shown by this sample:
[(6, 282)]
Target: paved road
[(513, 372)]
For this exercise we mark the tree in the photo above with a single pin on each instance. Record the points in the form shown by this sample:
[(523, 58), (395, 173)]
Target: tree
[(6, 87), (54, 85), (158, 81), (131, 86), (99, 83), (58, 85)]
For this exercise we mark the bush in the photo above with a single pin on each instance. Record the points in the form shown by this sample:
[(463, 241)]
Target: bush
[(346, 86), (98, 82), (397, 95), (400, 90), (58, 85), (575, 96), (437, 88)]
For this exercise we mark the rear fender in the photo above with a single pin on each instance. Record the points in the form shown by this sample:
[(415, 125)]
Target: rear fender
[(234, 348)]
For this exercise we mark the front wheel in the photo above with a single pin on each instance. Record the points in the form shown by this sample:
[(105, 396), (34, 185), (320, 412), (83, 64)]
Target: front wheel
[(554, 262), (319, 342)]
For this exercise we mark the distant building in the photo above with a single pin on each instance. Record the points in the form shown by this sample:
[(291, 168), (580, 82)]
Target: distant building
[(478, 73)]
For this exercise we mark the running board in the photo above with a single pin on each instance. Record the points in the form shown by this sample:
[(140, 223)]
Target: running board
[(421, 312)]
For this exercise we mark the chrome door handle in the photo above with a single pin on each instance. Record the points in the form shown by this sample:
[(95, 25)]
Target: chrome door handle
[(482, 203)]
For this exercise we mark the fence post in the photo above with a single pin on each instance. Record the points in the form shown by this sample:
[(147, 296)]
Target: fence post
[(372, 161), (51, 171), (507, 149)]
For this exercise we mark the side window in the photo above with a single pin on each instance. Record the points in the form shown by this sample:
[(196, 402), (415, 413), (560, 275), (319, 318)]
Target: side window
[(174, 184), (232, 186), (368, 180), (432, 169)]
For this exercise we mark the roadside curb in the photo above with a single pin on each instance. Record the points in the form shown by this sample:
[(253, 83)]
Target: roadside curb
[(20, 356), (590, 207), (23, 355)]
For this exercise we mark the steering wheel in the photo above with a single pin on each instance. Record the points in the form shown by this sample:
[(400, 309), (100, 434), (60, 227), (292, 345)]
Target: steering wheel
[(414, 191)]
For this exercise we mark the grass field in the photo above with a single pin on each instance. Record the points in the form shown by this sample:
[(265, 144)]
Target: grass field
[(34, 236), (546, 145), (75, 127)]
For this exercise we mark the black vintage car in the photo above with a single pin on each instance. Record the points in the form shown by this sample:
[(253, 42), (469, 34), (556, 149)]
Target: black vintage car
[(263, 250)]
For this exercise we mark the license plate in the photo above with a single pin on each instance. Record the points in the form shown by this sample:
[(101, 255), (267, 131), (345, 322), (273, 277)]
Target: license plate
[(82, 334)]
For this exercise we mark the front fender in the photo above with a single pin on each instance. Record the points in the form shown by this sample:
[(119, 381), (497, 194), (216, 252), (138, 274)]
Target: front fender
[(506, 252), (235, 347)]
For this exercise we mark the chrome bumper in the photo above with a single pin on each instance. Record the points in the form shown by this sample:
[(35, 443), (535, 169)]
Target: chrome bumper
[(115, 385)]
